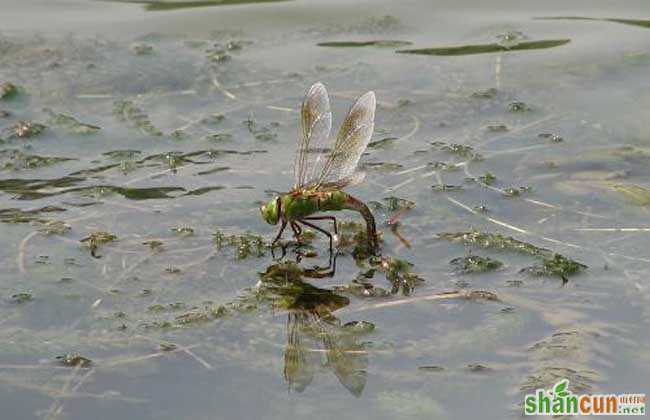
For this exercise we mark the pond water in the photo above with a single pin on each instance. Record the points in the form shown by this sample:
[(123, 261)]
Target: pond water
[(508, 173)]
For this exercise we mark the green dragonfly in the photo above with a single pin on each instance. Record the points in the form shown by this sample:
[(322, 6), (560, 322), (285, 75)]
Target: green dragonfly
[(323, 169)]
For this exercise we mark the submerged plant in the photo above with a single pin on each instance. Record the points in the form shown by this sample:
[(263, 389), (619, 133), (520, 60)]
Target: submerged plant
[(475, 264), (489, 93), (518, 106), (183, 230), (96, 239), (142, 49), (74, 360), (399, 273), (25, 130), (552, 264), (460, 150), (126, 110), (558, 265), (382, 43), (8, 90), (54, 227), (488, 48), (245, 245), (14, 159), (22, 297), (71, 124), (494, 241), (488, 178)]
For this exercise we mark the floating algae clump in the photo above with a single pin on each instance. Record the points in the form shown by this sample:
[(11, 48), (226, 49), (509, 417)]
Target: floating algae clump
[(70, 123), (475, 264), (558, 265), (552, 264), (460, 150), (636, 194), (382, 43), (245, 245), (126, 110), (22, 297), (399, 273), (393, 204), (8, 90), (494, 241), (96, 239), (16, 160), (25, 130), (74, 360)]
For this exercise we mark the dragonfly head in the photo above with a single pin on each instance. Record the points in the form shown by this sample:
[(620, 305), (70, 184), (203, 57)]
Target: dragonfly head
[(270, 212)]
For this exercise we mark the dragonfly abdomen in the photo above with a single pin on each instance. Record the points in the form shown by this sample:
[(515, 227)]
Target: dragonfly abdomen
[(352, 203)]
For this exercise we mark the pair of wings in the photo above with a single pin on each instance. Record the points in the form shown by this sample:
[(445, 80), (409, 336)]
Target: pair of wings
[(346, 358), (324, 164)]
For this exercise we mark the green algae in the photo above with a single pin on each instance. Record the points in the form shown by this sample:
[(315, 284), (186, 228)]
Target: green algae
[(383, 166), (15, 215), (382, 143), (97, 239), (24, 130), (460, 150), (381, 43), (551, 264), (446, 187), (487, 178), (497, 241), (472, 264), (558, 266), (205, 190), (244, 245), (141, 48), (126, 110), (74, 360), (636, 194), (8, 90), (489, 93), (22, 297), (487, 48), (166, 5), (16, 160), (399, 273), (643, 23), (519, 107), (70, 123)]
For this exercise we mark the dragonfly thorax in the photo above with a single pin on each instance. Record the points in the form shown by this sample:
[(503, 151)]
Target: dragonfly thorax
[(296, 205)]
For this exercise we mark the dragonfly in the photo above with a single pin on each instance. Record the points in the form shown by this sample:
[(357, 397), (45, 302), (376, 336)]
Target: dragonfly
[(324, 166)]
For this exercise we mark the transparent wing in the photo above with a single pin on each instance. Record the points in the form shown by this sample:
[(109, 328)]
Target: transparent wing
[(347, 359), (352, 140), (299, 362), (354, 179), (315, 124)]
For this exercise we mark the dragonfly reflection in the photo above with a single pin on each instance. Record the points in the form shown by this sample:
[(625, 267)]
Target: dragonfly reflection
[(316, 339)]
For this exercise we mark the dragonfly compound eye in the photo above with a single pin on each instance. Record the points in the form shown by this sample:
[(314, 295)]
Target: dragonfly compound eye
[(269, 212)]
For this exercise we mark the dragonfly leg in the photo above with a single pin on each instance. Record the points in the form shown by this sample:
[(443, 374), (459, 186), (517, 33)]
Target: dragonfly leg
[(319, 273), (277, 238), (320, 229), (297, 230), (332, 218)]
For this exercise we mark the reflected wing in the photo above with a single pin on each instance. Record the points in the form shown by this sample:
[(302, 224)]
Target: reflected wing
[(298, 364), (315, 124), (347, 359), (355, 133)]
